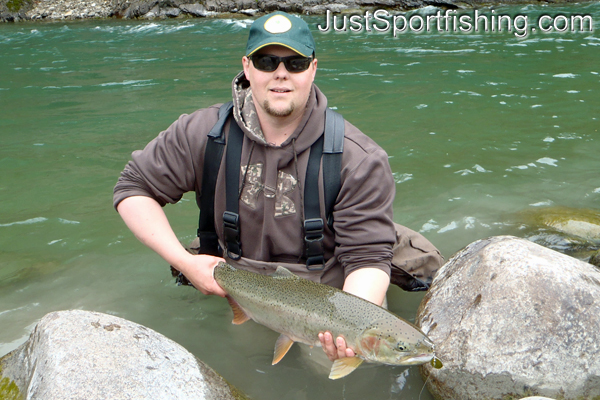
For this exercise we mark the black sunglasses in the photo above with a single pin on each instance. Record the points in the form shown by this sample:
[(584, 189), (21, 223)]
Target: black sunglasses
[(269, 63)]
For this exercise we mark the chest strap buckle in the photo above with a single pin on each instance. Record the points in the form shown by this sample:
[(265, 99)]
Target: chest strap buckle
[(231, 230), (313, 244)]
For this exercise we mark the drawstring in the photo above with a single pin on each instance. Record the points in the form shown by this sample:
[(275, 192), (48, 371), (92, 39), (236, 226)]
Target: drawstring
[(246, 171), (301, 192), (298, 179)]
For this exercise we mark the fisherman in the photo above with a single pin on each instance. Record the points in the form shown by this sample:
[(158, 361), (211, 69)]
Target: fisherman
[(281, 113)]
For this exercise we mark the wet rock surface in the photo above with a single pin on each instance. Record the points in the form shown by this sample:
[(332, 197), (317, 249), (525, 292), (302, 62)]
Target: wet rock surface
[(87, 355), (512, 318)]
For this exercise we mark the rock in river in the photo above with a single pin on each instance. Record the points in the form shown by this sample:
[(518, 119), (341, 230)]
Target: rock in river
[(595, 259), (510, 319), (573, 231), (87, 355)]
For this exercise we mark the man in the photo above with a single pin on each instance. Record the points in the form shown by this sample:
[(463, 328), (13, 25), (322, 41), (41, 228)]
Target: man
[(281, 114)]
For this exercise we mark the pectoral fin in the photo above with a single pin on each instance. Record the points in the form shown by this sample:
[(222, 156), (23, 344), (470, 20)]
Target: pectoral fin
[(344, 366), (239, 316), (282, 345)]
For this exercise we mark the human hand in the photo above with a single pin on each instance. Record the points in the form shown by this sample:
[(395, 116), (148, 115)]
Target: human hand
[(198, 269), (335, 350)]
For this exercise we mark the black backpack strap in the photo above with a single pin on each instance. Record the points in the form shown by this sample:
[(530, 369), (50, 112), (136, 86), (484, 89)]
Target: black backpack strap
[(313, 223), (333, 148), (209, 243), (330, 147), (231, 217)]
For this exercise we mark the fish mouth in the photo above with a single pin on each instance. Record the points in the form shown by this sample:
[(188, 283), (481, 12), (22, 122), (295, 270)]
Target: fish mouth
[(417, 359)]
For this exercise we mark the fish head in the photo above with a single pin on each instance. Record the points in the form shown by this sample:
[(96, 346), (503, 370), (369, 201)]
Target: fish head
[(388, 342)]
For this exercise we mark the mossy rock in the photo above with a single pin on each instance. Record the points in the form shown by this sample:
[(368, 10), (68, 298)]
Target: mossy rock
[(573, 231), (15, 5), (8, 388), (11, 10)]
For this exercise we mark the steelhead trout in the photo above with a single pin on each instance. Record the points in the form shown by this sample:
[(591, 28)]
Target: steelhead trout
[(299, 309)]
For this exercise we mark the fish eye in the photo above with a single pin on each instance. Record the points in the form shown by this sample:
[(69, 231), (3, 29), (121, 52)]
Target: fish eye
[(400, 347)]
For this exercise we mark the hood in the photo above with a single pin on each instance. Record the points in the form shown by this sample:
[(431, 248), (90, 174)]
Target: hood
[(308, 131)]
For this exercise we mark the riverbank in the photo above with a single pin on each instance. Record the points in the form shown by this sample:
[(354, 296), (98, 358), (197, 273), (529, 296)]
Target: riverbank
[(35, 10)]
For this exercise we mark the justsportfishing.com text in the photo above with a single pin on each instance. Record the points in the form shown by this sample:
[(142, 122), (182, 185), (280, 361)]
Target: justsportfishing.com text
[(452, 21)]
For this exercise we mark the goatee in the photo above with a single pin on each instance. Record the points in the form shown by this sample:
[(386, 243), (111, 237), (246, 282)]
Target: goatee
[(278, 113)]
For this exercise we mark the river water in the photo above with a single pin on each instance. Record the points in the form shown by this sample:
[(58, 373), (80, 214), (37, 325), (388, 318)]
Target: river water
[(478, 126)]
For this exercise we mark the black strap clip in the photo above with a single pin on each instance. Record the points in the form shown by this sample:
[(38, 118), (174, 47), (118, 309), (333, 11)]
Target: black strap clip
[(209, 244), (313, 244), (231, 230)]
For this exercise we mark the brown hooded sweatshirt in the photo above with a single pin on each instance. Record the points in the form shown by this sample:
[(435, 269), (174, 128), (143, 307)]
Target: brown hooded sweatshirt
[(271, 203)]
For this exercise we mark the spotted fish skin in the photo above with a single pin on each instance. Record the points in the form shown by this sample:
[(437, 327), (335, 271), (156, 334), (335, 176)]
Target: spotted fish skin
[(299, 309)]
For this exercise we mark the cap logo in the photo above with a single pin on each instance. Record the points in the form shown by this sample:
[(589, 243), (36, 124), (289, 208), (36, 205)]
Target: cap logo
[(278, 24)]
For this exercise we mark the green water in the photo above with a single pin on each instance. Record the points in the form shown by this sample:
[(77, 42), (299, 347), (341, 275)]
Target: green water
[(477, 126)]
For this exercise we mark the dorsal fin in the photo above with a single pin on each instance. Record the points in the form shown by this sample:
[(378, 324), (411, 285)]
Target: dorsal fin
[(282, 272)]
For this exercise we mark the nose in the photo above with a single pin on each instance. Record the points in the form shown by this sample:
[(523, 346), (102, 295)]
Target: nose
[(281, 72)]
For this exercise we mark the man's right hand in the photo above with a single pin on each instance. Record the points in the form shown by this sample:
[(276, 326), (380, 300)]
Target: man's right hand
[(147, 220), (198, 269)]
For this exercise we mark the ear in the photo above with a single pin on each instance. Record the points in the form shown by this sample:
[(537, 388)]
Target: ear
[(246, 66), (314, 68)]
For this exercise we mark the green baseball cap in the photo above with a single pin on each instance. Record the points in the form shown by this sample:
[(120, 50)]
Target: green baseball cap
[(282, 29)]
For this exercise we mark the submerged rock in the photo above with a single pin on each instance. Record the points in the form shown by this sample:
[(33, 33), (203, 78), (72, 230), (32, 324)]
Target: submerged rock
[(580, 222), (512, 318), (595, 259), (87, 355), (573, 231)]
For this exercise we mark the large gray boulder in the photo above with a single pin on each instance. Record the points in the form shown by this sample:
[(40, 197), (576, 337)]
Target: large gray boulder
[(88, 355), (536, 398), (510, 319)]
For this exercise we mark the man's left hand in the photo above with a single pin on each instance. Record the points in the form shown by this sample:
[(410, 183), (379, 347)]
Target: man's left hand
[(369, 283), (334, 350)]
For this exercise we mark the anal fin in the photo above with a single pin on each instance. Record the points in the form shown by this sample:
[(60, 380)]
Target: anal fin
[(344, 366), (282, 345), (239, 316)]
